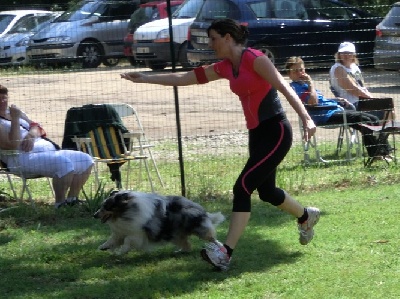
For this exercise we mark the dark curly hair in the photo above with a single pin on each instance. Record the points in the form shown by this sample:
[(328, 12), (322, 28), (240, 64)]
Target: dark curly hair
[(238, 31)]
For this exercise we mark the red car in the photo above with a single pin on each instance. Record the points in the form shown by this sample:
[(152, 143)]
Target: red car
[(147, 12)]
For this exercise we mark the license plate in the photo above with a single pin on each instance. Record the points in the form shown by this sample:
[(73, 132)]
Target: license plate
[(394, 40), (142, 50), (35, 51), (3, 55), (202, 40)]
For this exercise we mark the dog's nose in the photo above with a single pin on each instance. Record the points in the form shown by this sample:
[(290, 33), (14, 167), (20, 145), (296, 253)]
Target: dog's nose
[(96, 215)]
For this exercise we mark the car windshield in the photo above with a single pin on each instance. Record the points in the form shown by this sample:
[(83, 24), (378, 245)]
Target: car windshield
[(30, 23), (5, 20), (188, 9), (82, 11), (392, 19), (144, 14)]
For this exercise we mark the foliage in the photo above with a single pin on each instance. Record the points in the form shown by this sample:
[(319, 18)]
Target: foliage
[(93, 200)]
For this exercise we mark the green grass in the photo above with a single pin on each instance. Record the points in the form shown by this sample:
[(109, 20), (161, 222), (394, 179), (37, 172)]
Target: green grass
[(53, 254)]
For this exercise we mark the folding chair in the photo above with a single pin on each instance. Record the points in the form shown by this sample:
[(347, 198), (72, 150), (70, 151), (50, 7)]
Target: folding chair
[(98, 130), (388, 125), (346, 133), (24, 177), (143, 146)]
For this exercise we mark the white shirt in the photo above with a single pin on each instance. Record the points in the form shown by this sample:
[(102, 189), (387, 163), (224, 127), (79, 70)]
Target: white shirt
[(355, 73)]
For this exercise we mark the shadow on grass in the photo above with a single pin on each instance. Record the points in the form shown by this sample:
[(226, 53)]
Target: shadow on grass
[(74, 268)]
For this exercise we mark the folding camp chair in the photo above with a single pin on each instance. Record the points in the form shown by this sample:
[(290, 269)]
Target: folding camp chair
[(97, 129), (24, 177), (142, 145), (388, 125), (346, 135)]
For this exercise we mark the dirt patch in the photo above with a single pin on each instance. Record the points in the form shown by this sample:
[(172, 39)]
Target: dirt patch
[(208, 109)]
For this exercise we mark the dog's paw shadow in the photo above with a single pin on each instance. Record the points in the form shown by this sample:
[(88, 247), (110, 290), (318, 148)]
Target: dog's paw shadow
[(146, 257)]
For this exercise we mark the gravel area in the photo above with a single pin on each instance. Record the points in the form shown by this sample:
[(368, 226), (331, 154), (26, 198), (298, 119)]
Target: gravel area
[(210, 115)]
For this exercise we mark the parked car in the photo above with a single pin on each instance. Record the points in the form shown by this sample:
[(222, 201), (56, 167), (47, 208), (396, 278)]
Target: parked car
[(387, 41), (147, 12), (151, 41), (13, 44), (91, 33), (312, 29), (11, 18)]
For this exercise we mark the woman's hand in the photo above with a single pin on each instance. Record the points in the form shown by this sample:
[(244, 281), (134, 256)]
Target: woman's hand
[(15, 112), (309, 129), (27, 143), (134, 77)]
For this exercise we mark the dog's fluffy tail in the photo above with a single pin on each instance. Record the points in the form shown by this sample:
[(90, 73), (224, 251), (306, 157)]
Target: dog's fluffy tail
[(216, 218)]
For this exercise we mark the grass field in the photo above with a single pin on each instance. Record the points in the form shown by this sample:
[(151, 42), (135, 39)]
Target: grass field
[(53, 254)]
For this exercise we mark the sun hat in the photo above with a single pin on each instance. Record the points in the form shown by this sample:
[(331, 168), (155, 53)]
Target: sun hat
[(347, 47)]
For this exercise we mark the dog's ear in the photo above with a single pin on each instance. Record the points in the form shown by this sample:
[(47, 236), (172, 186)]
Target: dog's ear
[(122, 197), (112, 192)]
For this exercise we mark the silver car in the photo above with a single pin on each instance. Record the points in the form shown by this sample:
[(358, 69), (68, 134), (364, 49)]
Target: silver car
[(91, 32), (13, 44), (387, 41)]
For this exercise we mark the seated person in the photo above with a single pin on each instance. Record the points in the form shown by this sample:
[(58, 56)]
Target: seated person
[(39, 156), (304, 87), (345, 77)]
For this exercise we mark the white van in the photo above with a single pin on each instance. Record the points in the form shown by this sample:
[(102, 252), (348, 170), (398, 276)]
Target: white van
[(151, 41)]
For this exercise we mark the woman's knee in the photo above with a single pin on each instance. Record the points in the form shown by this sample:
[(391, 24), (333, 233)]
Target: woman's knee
[(81, 162), (276, 197), (241, 199)]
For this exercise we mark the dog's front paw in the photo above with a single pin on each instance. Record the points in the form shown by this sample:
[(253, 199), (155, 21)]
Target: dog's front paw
[(104, 246), (119, 251)]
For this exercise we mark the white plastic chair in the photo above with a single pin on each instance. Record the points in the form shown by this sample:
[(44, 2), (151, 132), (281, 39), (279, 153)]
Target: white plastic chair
[(25, 186)]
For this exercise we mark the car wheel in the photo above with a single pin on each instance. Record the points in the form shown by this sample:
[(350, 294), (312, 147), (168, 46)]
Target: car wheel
[(182, 57), (90, 54), (110, 61), (156, 65), (268, 52)]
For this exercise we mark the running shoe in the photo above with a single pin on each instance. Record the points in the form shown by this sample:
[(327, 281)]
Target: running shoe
[(306, 229), (215, 254)]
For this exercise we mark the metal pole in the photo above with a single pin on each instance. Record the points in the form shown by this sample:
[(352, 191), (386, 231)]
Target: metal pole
[(176, 96)]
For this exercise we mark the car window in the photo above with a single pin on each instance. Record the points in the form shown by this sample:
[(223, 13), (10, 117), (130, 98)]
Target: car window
[(28, 24), (117, 11), (392, 19), (79, 12), (262, 9), (188, 9), (173, 9), (26, 21), (5, 20), (289, 9), (155, 14), (325, 10), (215, 9)]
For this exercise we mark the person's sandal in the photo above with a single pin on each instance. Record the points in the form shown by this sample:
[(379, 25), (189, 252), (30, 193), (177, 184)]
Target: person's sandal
[(71, 201)]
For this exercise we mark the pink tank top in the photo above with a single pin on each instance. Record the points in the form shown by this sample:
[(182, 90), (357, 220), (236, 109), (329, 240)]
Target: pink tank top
[(259, 100)]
